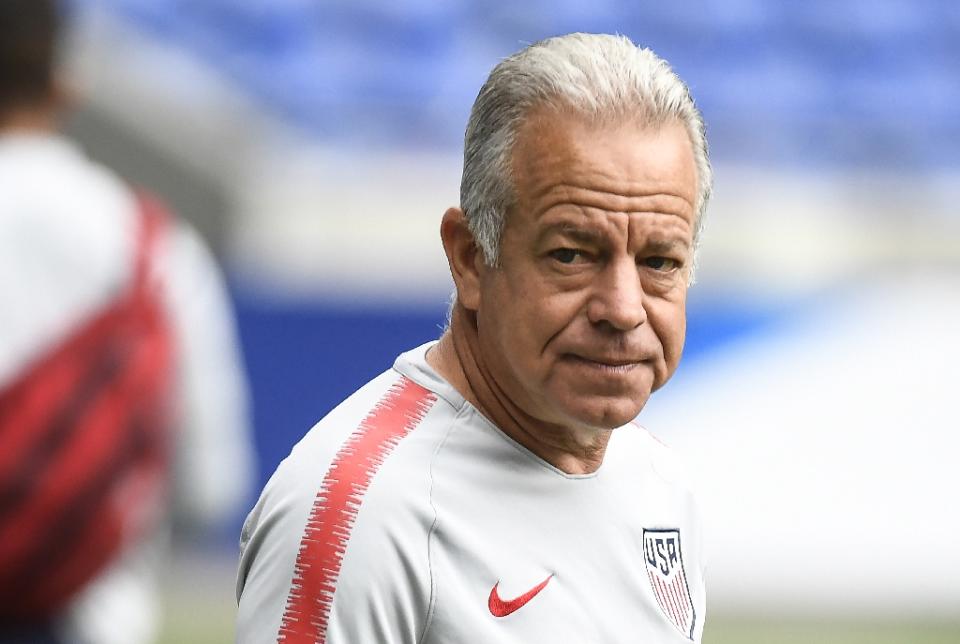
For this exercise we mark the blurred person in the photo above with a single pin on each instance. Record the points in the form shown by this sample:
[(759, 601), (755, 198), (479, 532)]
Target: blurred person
[(493, 486), (123, 405)]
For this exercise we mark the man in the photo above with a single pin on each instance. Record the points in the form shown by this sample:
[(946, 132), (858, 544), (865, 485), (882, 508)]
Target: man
[(121, 389), (492, 487)]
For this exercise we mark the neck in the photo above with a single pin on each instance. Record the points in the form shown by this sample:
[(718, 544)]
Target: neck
[(457, 357), (43, 120)]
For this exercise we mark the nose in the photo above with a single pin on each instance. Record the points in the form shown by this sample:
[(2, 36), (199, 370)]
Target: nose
[(618, 298)]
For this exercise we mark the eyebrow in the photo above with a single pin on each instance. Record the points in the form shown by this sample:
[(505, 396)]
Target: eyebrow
[(595, 237), (665, 245), (577, 233)]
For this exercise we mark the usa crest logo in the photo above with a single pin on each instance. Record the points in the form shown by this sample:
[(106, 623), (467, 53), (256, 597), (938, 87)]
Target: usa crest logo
[(668, 579)]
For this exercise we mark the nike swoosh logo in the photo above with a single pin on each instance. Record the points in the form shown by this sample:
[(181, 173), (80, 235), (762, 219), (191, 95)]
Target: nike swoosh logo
[(501, 608)]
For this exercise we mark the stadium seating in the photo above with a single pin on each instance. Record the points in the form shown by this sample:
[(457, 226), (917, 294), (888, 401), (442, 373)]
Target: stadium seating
[(861, 82)]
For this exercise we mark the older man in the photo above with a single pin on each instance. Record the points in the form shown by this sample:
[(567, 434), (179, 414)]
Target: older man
[(492, 487)]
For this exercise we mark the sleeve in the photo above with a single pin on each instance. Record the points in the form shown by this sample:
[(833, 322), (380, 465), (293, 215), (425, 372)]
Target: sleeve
[(365, 579), (214, 459)]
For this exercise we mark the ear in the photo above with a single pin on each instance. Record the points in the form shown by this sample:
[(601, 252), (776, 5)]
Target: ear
[(464, 257)]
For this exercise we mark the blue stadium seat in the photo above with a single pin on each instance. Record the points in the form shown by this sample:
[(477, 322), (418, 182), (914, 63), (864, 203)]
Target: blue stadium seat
[(405, 72)]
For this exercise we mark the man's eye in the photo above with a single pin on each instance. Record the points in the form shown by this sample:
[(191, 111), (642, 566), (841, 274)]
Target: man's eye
[(663, 264), (565, 255)]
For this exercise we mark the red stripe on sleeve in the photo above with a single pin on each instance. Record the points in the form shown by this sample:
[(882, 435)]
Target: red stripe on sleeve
[(335, 509)]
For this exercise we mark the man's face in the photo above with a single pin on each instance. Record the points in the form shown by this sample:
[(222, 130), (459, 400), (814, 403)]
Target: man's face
[(585, 316)]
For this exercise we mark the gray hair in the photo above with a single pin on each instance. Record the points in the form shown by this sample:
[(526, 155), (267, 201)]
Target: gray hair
[(598, 76)]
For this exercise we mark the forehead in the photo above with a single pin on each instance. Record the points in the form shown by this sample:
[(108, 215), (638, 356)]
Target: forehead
[(624, 166)]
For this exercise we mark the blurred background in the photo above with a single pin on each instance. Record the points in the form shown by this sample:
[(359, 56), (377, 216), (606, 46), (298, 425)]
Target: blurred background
[(315, 144)]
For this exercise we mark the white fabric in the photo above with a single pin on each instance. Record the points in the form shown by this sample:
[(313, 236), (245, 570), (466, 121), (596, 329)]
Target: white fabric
[(68, 231), (458, 507), (829, 442), (66, 242)]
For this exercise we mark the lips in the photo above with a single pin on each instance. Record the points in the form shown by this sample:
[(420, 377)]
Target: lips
[(612, 362)]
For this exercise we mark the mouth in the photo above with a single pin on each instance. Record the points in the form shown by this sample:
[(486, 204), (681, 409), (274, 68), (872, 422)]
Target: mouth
[(609, 364)]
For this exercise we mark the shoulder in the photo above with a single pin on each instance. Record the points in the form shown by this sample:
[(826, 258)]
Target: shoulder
[(636, 447), (664, 480), (48, 176), (652, 481), (351, 451), (351, 504), (67, 235), (366, 436)]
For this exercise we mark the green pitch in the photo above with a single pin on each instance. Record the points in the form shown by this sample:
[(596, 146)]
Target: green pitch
[(201, 609), (720, 630), (199, 624)]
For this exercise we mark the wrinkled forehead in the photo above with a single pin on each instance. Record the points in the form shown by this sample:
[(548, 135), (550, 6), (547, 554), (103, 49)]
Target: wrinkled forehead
[(619, 160)]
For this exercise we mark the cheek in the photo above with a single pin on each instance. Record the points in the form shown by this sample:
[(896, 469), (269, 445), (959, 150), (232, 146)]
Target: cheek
[(670, 325), (526, 313), (508, 331), (519, 336), (525, 330), (531, 310), (679, 336)]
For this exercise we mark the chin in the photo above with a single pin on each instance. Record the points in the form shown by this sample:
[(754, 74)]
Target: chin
[(609, 414)]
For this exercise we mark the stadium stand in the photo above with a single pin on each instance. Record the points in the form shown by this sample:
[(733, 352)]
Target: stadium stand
[(866, 83)]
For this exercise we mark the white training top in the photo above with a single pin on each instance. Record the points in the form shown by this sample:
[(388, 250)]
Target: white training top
[(405, 516)]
